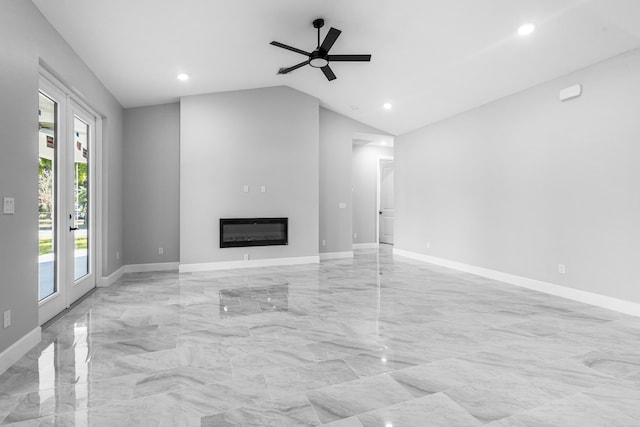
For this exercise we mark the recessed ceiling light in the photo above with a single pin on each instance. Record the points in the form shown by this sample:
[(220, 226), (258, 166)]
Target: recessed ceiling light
[(183, 77), (387, 106), (526, 29)]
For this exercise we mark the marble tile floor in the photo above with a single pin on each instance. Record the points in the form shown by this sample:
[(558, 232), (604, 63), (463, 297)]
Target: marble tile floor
[(374, 341)]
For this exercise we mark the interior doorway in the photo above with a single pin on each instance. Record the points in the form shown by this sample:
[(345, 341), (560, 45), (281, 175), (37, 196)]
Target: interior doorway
[(385, 201), (367, 151)]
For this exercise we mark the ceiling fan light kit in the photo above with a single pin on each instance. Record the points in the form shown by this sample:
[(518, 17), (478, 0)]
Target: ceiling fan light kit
[(320, 57)]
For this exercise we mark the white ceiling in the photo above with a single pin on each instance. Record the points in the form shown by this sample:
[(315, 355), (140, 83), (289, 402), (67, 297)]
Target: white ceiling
[(431, 58)]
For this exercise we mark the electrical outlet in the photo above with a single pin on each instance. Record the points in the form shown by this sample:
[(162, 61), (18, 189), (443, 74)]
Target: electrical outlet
[(562, 269), (263, 189), (160, 251), (428, 245), (117, 254), (7, 319), (8, 205), (246, 188), (324, 243), (355, 235), (246, 257)]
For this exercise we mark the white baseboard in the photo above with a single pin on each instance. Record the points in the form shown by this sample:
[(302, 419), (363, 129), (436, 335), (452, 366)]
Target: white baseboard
[(270, 262), (603, 301), (335, 255), (19, 349), (103, 282), (365, 246), (145, 268)]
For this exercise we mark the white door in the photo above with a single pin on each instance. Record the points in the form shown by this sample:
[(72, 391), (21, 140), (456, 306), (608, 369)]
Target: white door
[(386, 202), (81, 207), (66, 201)]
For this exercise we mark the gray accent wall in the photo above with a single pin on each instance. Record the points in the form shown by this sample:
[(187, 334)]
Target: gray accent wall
[(263, 137), (152, 178), (528, 182), (28, 40), (336, 146), (365, 191)]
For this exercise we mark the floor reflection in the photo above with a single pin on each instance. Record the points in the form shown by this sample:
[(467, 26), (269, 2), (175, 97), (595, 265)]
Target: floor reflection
[(248, 301)]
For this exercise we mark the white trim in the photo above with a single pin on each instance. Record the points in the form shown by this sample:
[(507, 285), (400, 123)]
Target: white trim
[(112, 278), (144, 268), (271, 262), (365, 245), (335, 255), (19, 349), (97, 199), (615, 304)]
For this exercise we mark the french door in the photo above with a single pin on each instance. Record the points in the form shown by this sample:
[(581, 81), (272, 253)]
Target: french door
[(66, 203)]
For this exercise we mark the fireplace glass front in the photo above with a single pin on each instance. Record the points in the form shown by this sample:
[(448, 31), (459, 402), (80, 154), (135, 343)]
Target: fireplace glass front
[(242, 232)]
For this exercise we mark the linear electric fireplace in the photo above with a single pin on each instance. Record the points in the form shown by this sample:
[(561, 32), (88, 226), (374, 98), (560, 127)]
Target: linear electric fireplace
[(242, 232)]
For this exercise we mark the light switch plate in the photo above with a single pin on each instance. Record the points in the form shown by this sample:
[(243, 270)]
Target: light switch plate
[(8, 205), (342, 205)]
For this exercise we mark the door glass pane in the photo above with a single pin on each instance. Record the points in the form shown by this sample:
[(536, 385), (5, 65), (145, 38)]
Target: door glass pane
[(47, 124), (81, 197)]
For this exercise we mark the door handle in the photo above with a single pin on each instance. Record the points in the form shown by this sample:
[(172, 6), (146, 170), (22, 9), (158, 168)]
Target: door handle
[(379, 212), (72, 228)]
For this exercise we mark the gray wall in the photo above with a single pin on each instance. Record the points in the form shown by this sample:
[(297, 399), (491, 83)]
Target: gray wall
[(152, 184), (254, 137), (365, 190), (528, 182), (336, 146), (27, 39)]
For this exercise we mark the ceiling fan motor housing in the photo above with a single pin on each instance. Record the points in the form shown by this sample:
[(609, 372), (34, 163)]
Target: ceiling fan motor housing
[(318, 59)]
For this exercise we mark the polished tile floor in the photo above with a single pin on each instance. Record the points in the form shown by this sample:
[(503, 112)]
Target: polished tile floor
[(374, 341)]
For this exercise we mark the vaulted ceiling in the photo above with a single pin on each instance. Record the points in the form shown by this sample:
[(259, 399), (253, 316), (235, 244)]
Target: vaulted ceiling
[(431, 59)]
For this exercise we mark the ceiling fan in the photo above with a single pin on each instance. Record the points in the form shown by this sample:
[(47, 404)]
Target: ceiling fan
[(320, 57)]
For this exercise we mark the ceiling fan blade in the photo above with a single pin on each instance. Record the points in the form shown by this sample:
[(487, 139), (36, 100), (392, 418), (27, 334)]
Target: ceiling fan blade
[(349, 58), (290, 69), (293, 49), (328, 73), (330, 39)]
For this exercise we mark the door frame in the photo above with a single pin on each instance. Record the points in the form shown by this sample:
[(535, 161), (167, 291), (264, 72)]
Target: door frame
[(68, 97), (378, 177)]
